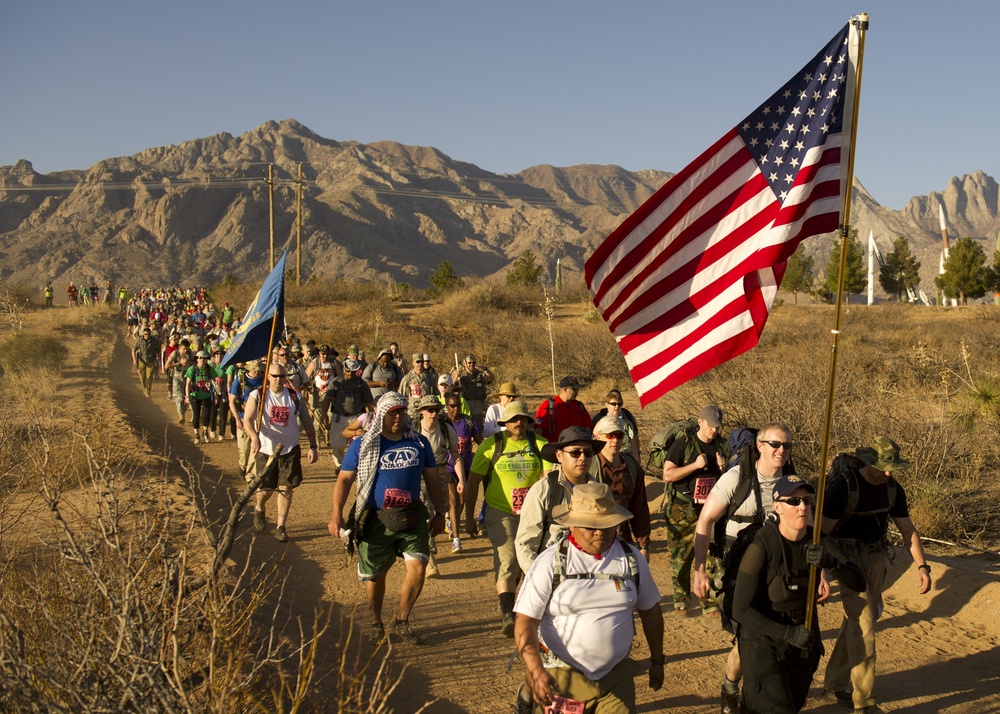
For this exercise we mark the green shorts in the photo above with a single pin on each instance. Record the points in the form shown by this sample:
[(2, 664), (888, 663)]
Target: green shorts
[(379, 547)]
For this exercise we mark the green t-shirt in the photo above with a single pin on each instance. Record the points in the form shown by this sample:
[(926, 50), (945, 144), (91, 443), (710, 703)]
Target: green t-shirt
[(202, 378), (516, 471)]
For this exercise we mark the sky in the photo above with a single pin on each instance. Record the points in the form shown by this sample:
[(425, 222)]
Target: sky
[(505, 86)]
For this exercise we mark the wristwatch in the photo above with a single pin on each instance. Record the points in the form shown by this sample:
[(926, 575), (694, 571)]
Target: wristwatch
[(926, 567)]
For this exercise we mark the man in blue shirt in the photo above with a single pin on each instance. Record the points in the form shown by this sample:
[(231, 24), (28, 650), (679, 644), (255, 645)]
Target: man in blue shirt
[(390, 463)]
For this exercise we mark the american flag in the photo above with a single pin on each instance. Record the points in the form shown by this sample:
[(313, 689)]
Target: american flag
[(687, 281)]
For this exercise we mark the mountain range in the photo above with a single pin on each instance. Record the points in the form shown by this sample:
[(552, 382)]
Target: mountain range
[(196, 212)]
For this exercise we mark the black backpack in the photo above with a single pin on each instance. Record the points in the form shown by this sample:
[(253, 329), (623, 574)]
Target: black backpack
[(847, 467), (348, 397), (732, 568)]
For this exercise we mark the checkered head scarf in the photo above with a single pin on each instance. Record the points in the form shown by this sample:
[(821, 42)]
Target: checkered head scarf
[(369, 452)]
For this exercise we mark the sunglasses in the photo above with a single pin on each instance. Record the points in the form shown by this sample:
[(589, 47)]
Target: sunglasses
[(779, 444), (796, 501), (282, 354), (577, 453), (614, 404), (277, 376)]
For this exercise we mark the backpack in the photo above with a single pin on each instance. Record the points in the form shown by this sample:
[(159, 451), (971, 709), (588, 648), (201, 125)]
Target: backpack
[(731, 567), (739, 438), (501, 444), (664, 439), (347, 398), (559, 566), (847, 466)]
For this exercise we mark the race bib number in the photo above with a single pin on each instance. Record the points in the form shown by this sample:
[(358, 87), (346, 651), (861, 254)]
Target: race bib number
[(280, 415), (415, 390), (702, 487), (396, 497), (463, 444), (517, 496), (201, 385), (564, 705)]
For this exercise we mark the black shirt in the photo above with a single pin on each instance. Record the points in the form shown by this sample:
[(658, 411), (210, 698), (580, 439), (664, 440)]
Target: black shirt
[(675, 455), (870, 519)]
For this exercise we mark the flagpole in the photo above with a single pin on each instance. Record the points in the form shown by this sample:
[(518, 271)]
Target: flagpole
[(861, 21), (267, 368)]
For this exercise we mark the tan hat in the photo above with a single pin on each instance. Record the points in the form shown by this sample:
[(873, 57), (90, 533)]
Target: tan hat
[(417, 357), (609, 425), (592, 506), (254, 365), (507, 389), (514, 410)]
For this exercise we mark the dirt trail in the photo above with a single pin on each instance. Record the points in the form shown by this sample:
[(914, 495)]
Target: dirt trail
[(937, 653)]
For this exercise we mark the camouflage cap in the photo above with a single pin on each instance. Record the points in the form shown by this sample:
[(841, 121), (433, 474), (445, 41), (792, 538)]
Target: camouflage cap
[(883, 454)]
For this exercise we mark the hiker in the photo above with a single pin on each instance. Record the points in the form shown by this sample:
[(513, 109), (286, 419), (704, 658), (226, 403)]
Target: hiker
[(573, 452), (508, 463), (182, 361), (860, 500), (472, 380), (198, 385), (562, 411), (49, 294), (491, 421), (389, 521), (468, 433), (295, 373), (245, 380), (627, 481), (146, 359), (693, 464), (779, 650), (416, 385), (382, 375), (444, 388), (444, 444), (574, 627), (614, 405), (744, 492), (279, 472), (352, 397)]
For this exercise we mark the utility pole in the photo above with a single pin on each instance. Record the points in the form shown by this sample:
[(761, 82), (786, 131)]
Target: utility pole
[(270, 204), (298, 234)]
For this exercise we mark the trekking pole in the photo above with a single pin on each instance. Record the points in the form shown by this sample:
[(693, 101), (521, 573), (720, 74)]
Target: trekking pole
[(860, 22)]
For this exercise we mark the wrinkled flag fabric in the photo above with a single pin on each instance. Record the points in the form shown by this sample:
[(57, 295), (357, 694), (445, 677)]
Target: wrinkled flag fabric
[(253, 337), (686, 282)]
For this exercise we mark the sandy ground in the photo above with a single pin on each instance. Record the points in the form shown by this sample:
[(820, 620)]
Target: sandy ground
[(937, 653)]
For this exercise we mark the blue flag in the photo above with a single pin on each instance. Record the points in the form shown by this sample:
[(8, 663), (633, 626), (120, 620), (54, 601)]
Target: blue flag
[(253, 337)]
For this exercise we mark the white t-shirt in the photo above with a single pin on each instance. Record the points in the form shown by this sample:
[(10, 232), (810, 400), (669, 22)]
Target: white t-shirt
[(491, 422), (725, 489), (279, 424), (587, 623)]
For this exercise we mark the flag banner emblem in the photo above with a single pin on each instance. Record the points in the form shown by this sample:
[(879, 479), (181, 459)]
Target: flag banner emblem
[(686, 282), (253, 337)]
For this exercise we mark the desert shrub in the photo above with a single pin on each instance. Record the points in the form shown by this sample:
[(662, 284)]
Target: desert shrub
[(23, 350)]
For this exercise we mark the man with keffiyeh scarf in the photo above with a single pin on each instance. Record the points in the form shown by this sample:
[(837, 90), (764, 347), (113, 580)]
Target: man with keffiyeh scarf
[(389, 464)]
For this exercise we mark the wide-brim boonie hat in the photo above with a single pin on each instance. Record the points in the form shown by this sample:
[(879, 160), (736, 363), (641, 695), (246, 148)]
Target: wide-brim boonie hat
[(592, 506), (514, 410), (883, 454), (507, 389), (570, 435)]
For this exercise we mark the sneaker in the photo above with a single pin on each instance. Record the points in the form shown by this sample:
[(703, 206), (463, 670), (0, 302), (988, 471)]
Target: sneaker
[(376, 634), (212, 433), (507, 625), (259, 521), (731, 702), (432, 568), (404, 634), (197, 440), (219, 437), (843, 697), (280, 534), (456, 545)]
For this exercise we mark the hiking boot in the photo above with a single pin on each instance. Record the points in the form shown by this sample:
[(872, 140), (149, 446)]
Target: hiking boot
[(843, 697), (731, 703), (456, 545), (376, 634), (259, 521), (522, 706), (507, 625), (404, 634), (280, 534), (432, 568)]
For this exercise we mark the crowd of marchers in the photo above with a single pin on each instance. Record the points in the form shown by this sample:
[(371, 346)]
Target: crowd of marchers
[(561, 496)]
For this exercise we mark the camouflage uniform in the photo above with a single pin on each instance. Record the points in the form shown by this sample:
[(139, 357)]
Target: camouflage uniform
[(681, 514)]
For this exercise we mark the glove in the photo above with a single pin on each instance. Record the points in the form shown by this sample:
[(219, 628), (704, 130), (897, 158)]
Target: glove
[(816, 555), (800, 636)]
